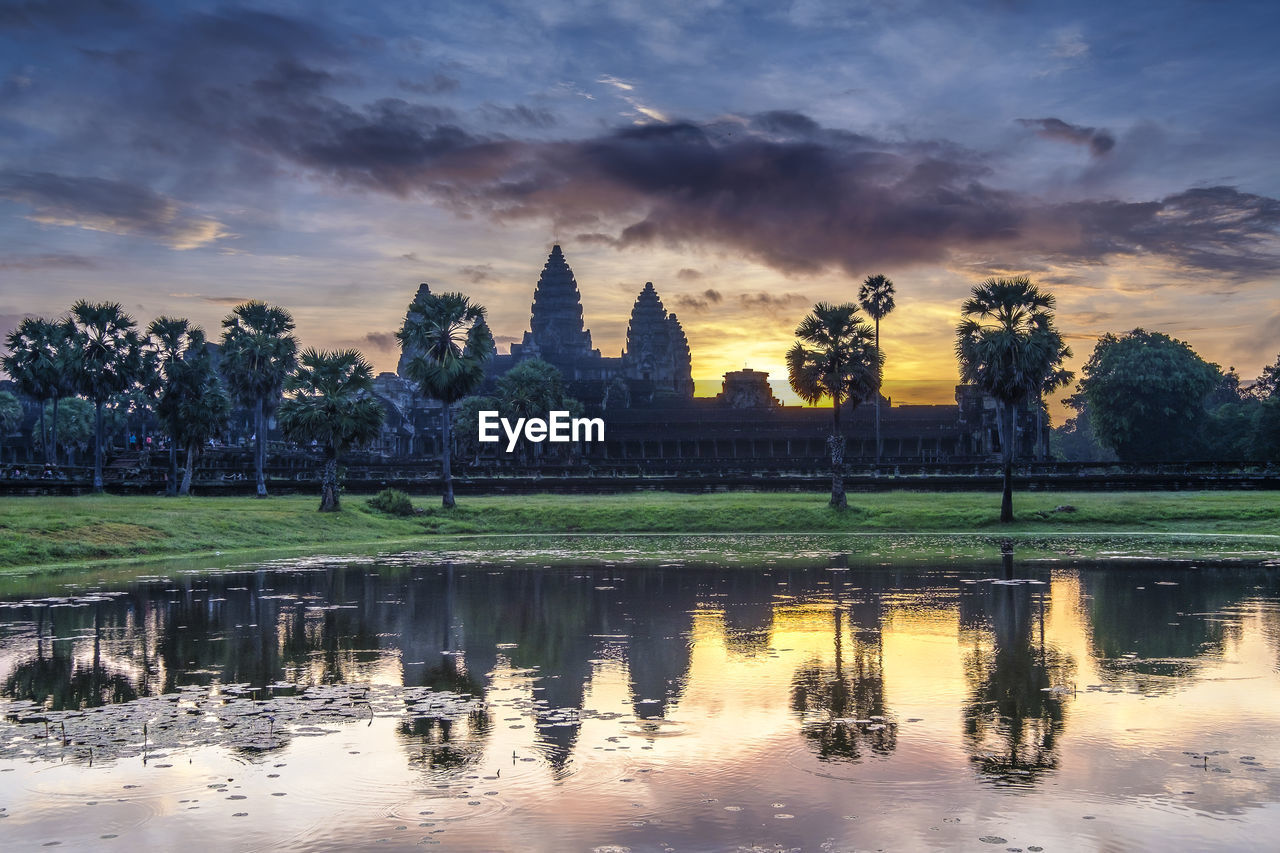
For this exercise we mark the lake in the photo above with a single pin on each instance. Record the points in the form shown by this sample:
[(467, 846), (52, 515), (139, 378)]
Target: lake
[(785, 697)]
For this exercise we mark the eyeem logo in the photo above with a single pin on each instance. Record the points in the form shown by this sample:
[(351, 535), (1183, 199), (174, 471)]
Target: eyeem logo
[(559, 427)]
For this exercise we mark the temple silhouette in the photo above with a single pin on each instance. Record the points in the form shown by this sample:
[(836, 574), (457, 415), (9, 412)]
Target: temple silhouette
[(646, 396)]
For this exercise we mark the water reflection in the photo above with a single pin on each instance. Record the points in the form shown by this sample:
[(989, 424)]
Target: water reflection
[(721, 678), (1018, 684), (842, 705)]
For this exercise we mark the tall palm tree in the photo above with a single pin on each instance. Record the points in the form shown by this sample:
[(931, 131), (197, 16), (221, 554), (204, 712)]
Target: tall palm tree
[(192, 404), (1007, 345), (836, 357), (258, 352), (447, 343), (876, 298), (110, 359), (202, 412), (39, 360), (10, 417), (330, 402), (173, 340)]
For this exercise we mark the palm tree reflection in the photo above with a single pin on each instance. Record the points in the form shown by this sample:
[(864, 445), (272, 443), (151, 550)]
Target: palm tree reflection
[(842, 707), (1015, 713)]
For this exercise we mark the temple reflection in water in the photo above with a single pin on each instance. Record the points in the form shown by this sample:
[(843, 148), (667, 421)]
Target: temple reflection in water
[(668, 641)]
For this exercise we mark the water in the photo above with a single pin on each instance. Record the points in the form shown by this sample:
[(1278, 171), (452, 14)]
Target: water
[(784, 702)]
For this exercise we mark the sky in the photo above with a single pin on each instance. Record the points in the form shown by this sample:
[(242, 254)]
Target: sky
[(750, 159)]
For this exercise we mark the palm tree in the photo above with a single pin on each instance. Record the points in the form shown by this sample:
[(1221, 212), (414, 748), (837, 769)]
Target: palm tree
[(835, 357), (10, 417), (330, 402), (876, 298), (257, 354), (447, 343), (39, 362), (201, 415), (109, 361), (193, 406), (174, 339), (1007, 345)]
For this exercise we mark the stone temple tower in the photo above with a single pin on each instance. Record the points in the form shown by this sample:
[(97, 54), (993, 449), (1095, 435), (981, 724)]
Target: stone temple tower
[(405, 355), (557, 333), (657, 349)]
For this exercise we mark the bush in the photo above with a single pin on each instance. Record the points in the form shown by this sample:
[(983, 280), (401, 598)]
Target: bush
[(392, 502)]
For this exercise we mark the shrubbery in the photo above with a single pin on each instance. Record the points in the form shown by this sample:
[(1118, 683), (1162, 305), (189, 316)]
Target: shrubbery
[(392, 502)]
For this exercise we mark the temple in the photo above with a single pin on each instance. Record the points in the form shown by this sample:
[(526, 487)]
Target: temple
[(656, 365), (654, 420)]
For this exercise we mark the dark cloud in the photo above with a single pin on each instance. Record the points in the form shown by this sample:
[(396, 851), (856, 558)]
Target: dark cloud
[(436, 84), (117, 207), (698, 302), (1099, 141), (520, 116), (127, 58), (225, 300), (384, 341), (772, 302), (64, 14), (477, 273), (50, 260), (1213, 228), (689, 274), (236, 97)]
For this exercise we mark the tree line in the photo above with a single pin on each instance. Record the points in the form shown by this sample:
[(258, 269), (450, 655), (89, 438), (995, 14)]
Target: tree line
[(1143, 396), (96, 356)]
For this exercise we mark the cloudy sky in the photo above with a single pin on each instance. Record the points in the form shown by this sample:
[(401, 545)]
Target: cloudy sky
[(748, 158)]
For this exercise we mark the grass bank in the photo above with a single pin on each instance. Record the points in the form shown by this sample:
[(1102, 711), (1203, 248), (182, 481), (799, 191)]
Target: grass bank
[(65, 531)]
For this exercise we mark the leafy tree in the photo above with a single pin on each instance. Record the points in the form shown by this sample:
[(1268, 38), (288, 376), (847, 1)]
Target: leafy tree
[(1075, 440), (533, 389), (73, 425), (10, 417), (876, 298), (193, 405), (467, 425), (173, 339), (258, 353), (1268, 383), (1007, 345), (1146, 393), (1228, 431), (40, 361), (836, 358), (330, 401), (109, 361), (446, 343), (1266, 430), (201, 416)]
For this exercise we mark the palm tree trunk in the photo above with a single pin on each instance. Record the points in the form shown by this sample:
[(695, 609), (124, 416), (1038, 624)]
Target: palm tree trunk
[(56, 398), (259, 456), (1006, 499), (171, 487), (444, 457), (878, 381), (836, 442), (190, 470), (49, 456), (329, 482), (1041, 450), (97, 446)]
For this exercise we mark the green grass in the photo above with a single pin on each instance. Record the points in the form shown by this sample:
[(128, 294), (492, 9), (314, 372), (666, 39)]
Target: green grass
[(51, 532)]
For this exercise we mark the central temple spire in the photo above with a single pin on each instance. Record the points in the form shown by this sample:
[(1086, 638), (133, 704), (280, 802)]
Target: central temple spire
[(556, 327)]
